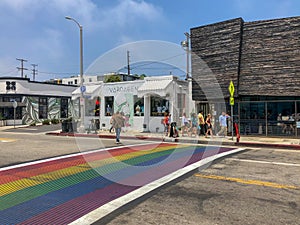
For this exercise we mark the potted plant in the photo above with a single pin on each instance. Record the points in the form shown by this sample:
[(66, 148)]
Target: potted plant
[(46, 122)]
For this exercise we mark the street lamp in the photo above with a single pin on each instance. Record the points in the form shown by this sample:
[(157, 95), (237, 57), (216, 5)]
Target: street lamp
[(82, 88), (186, 44)]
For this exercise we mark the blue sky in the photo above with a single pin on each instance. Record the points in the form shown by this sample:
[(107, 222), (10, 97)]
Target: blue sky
[(37, 31)]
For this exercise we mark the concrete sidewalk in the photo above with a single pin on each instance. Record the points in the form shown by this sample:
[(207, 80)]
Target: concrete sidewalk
[(246, 140), (251, 141)]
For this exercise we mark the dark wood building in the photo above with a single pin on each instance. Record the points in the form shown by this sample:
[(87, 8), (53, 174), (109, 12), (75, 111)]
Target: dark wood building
[(262, 58)]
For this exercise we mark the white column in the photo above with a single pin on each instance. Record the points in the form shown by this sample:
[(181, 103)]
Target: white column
[(190, 103), (147, 112)]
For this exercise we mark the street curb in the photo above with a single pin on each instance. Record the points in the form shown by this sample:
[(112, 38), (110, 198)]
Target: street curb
[(126, 137), (179, 140), (269, 145)]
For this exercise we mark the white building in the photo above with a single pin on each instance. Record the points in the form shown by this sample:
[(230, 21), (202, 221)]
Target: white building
[(36, 101), (143, 102)]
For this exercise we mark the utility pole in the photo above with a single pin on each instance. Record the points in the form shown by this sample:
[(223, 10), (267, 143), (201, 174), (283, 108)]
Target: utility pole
[(34, 71), (22, 66), (187, 35), (128, 64)]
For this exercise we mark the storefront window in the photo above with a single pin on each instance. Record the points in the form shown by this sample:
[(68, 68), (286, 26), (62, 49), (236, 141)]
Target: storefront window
[(159, 106), (11, 98), (43, 108), (281, 118), (138, 106), (90, 106), (252, 118), (268, 118), (109, 103), (8, 113), (64, 108)]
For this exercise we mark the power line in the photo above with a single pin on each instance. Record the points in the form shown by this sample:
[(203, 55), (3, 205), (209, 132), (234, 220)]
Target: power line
[(162, 60)]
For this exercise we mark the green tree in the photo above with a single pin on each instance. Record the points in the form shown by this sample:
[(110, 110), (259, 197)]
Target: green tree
[(142, 76), (112, 79)]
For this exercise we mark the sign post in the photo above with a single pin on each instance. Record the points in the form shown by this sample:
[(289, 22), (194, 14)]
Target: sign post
[(15, 105), (231, 102)]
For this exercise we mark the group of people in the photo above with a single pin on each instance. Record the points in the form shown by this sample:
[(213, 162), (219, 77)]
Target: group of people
[(196, 125), (170, 127), (200, 125)]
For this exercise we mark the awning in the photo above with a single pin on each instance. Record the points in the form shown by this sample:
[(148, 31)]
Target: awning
[(90, 92), (155, 86)]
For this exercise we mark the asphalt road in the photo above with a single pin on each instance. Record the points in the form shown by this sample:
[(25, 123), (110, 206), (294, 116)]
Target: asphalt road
[(30, 143), (259, 186)]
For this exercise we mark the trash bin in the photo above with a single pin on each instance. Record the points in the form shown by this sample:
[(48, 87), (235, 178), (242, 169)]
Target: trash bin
[(97, 124), (64, 126), (68, 126), (72, 126)]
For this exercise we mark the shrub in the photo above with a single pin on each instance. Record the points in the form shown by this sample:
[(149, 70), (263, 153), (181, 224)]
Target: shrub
[(54, 121), (46, 122)]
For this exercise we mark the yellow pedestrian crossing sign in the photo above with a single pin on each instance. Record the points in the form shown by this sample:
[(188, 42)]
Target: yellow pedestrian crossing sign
[(231, 89), (231, 101)]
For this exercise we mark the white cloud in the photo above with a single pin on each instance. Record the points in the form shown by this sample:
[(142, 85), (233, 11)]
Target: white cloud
[(50, 42), (36, 29), (19, 5), (129, 12)]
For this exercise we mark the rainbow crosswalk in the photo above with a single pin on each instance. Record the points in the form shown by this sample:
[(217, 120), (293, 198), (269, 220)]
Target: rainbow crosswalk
[(62, 190)]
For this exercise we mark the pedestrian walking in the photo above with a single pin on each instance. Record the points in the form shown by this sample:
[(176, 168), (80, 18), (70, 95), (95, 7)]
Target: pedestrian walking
[(118, 123), (201, 123), (194, 122), (184, 124), (166, 122), (208, 126), (223, 124)]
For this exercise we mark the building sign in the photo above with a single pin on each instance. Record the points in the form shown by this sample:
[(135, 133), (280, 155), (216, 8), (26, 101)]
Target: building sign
[(115, 89), (11, 86)]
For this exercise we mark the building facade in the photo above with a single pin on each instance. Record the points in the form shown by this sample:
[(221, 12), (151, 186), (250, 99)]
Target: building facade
[(90, 79), (35, 101), (143, 102), (262, 59)]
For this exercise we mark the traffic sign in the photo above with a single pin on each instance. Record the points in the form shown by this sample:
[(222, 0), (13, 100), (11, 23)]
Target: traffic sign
[(15, 104), (83, 89), (231, 101), (231, 89)]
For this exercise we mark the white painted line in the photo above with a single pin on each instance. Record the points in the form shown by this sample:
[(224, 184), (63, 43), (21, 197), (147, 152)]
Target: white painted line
[(265, 162), (104, 210)]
